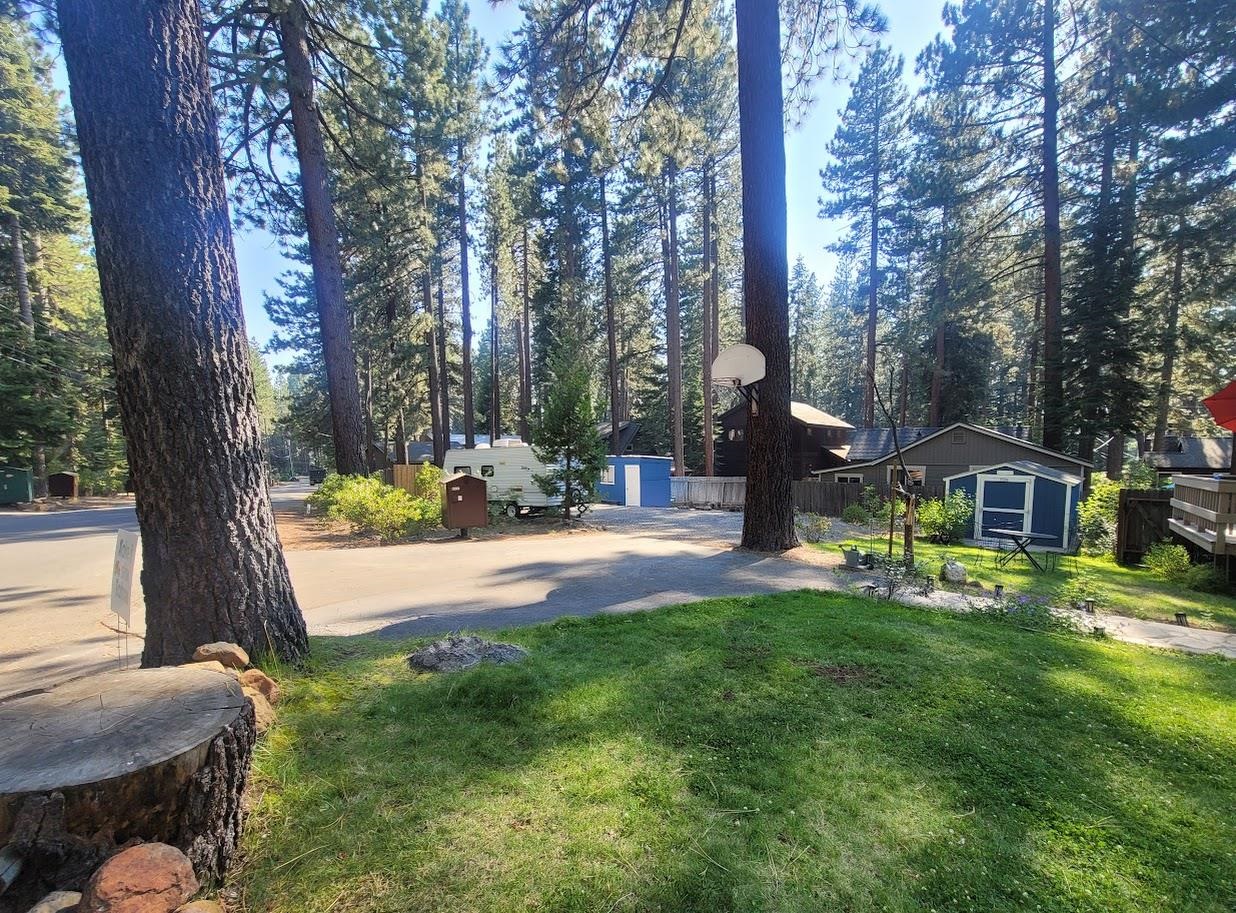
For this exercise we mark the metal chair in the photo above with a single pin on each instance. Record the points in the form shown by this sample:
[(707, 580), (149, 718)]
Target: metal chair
[(1054, 560)]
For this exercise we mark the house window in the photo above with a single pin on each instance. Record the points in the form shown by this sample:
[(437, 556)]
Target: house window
[(959, 436), (917, 474), (852, 480), (487, 472), (735, 434)]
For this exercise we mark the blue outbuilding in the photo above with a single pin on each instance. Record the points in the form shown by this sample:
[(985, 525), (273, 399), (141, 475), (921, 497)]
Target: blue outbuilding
[(1021, 495), (636, 481)]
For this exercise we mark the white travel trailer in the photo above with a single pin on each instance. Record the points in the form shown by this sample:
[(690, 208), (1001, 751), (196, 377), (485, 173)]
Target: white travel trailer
[(508, 468)]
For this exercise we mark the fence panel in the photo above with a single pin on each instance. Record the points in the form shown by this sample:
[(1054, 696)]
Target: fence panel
[(404, 475), (1141, 521), (826, 498)]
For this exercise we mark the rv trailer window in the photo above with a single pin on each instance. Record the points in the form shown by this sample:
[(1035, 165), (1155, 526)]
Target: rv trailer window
[(487, 472), (466, 470)]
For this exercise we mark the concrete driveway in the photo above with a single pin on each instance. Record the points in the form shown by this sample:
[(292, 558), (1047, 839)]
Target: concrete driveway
[(55, 572)]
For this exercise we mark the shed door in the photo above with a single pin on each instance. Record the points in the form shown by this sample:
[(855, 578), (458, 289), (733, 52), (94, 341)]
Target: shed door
[(630, 479), (1003, 503)]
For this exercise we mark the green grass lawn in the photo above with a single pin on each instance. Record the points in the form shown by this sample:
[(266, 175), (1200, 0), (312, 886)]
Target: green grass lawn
[(1133, 591), (800, 752)]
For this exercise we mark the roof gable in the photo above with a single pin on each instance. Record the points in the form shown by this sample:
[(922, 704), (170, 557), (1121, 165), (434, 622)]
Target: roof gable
[(977, 429), (1028, 467)]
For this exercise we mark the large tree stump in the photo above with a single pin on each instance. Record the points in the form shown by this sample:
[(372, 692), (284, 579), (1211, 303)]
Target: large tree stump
[(122, 757)]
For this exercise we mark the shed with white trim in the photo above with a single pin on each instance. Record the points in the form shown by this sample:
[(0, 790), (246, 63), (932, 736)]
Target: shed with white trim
[(1021, 495)]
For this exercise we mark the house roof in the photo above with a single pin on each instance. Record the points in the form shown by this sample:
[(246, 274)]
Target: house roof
[(1195, 453), (810, 415), (873, 443), (805, 413), (626, 433), (936, 432), (1030, 467)]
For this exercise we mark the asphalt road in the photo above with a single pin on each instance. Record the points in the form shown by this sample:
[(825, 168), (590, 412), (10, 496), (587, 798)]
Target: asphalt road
[(55, 570)]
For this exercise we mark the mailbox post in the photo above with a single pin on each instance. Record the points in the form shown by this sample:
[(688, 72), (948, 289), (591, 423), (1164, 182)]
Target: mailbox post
[(464, 503)]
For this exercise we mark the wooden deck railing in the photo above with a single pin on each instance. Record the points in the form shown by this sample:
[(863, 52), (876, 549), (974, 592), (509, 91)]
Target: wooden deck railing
[(1204, 512)]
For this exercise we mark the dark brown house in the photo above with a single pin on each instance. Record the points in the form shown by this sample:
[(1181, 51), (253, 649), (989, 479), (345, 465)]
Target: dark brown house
[(818, 440)]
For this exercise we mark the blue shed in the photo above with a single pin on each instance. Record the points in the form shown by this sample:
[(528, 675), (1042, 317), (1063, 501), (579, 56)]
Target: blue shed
[(1021, 495), (636, 481)]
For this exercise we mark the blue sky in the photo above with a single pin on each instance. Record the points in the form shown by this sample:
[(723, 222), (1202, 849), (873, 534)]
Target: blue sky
[(912, 24)]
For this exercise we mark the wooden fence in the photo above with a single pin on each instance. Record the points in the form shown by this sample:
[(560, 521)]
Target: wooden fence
[(730, 492), (1141, 521), (404, 475)]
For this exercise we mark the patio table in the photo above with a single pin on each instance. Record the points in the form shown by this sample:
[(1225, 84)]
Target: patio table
[(1020, 540)]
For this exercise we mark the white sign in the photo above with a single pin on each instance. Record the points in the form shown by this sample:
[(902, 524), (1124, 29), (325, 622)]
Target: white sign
[(122, 572)]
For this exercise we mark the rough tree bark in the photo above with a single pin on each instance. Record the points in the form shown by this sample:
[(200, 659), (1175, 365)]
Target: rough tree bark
[(495, 363), (1053, 378), (673, 314), (444, 364), (768, 520), (465, 315), (611, 325), (25, 313), (347, 426), (212, 565), (525, 345), (1170, 343), (706, 305), (95, 762), (873, 280)]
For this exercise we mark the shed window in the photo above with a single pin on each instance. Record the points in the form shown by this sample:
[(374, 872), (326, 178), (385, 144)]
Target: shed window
[(487, 472), (959, 436), (607, 477)]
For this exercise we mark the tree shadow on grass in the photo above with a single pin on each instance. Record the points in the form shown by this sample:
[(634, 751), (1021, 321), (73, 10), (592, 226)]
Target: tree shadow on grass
[(696, 759)]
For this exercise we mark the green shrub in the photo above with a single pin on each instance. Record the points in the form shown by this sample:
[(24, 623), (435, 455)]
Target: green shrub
[(370, 506), (1169, 562), (1080, 587), (1204, 578), (1096, 517), (946, 520), (856, 514), (812, 527)]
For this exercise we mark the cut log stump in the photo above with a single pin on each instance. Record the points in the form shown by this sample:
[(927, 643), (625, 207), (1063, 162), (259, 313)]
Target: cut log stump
[(119, 758)]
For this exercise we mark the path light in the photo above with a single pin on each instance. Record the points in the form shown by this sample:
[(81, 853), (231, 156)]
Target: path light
[(999, 590), (1182, 619), (1088, 606)]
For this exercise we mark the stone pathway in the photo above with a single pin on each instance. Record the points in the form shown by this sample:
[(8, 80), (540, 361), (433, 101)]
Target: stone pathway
[(1169, 636)]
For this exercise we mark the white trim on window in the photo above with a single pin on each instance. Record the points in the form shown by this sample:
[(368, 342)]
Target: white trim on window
[(607, 477), (849, 479)]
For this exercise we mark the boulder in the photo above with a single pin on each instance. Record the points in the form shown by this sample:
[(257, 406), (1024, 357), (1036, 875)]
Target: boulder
[(230, 655), (58, 902), (954, 572), (201, 906), (260, 681), (263, 713), (147, 878), (213, 665), (455, 653)]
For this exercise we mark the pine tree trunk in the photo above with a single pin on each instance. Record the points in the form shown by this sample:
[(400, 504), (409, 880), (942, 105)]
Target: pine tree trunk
[(673, 321), (525, 348), (611, 326), (212, 565), (444, 364), (435, 398), (401, 439), (706, 306), (1115, 457), (25, 313), (465, 312), (1032, 364), (873, 280), (935, 419), (323, 234), (495, 361), (1053, 379), (768, 520), (1171, 343)]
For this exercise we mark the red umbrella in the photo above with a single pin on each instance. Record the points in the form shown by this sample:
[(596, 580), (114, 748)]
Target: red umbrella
[(1222, 406)]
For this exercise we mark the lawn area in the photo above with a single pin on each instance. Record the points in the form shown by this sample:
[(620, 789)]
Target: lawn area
[(799, 752), (1133, 591)]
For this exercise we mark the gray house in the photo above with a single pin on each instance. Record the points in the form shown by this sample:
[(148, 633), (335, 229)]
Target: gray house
[(933, 455)]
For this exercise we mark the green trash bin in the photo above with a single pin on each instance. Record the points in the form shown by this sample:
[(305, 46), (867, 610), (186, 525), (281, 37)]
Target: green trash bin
[(16, 485)]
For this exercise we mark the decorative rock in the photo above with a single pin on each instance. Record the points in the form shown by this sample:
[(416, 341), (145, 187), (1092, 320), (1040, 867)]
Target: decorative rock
[(148, 878), (455, 653), (201, 906), (58, 902), (263, 713), (953, 572), (260, 681), (228, 654), (213, 665)]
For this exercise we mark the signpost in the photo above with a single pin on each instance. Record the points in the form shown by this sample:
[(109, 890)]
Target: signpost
[(122, 586)]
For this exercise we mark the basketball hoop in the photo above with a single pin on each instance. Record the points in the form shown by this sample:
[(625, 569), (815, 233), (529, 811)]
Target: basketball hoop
[(740, 367)]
